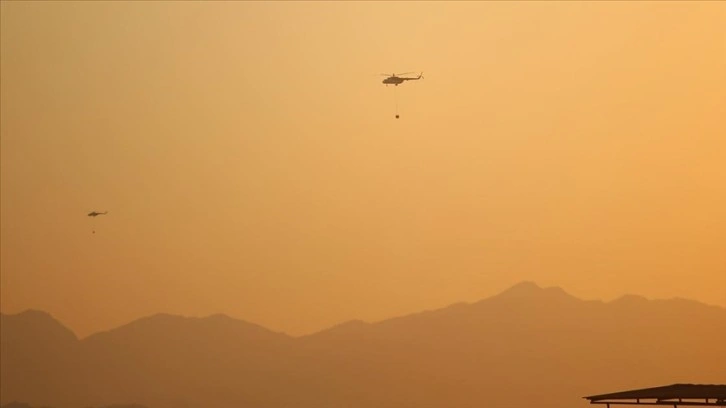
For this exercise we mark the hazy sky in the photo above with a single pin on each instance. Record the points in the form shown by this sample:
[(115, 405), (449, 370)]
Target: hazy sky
[(251, 164)]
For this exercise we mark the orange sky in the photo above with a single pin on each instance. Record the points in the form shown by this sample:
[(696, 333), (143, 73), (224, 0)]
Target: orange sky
[(251, 163)]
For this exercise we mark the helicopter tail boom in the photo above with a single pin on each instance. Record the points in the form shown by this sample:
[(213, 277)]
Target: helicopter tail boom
[(420, 76)]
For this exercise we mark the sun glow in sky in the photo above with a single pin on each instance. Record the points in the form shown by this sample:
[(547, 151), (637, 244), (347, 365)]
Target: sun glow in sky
[(251, 164)]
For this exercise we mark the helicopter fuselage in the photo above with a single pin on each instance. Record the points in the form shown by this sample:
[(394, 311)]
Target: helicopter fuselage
[(393, 80)]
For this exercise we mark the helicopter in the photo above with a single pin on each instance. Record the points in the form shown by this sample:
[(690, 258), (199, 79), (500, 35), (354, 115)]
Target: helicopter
[(395, 79), (95, 214)]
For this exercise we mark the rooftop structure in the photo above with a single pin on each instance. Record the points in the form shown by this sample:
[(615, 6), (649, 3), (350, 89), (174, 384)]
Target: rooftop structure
[(674, 395)]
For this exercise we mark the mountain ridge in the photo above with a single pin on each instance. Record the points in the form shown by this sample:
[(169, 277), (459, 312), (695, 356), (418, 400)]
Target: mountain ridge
[(527, 344), (519, 290)]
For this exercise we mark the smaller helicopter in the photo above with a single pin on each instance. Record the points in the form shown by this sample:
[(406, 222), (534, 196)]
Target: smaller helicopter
[(95, 214), (395, 79)]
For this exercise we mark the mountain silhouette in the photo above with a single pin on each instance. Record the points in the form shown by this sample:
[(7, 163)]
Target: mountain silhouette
[(525, 345), (36, 353)]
